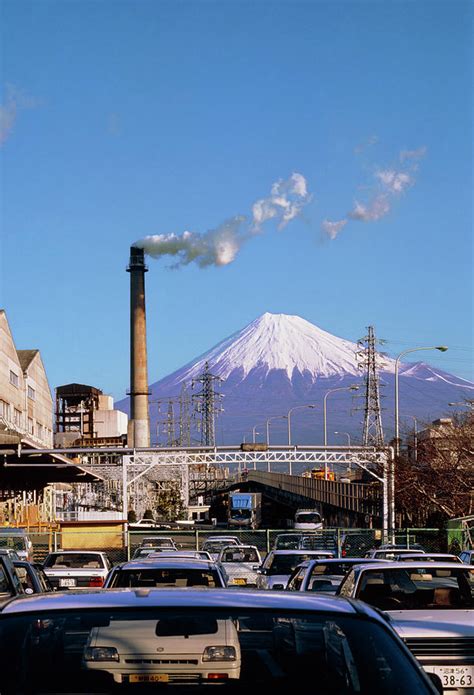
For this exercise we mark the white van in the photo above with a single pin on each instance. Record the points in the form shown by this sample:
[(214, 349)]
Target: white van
[(17, 539)]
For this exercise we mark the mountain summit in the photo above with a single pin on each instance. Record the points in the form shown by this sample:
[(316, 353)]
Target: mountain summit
[(278, 361)]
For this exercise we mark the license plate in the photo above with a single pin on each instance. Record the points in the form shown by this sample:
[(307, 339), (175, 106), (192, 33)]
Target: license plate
[(454, 676), (149, 678), (67, 581), (240, 580)]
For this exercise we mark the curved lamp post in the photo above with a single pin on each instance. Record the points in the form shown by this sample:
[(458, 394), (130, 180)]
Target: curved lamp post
[(354, 387), (441, 348), (288, 415)]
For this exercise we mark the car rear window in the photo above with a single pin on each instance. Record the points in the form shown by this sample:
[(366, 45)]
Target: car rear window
[(74, 560), (163, 577)]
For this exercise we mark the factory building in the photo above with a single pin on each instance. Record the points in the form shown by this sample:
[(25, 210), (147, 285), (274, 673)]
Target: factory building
[(26, 405), (86, 417)]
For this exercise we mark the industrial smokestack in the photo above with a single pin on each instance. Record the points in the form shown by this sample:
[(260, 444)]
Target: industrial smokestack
[(139, 424)]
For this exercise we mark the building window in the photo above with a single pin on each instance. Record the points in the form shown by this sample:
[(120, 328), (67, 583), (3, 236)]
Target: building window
[(5, 410), (13, 378), (31, 427), (17, 417), (39, 430), (31, 393)]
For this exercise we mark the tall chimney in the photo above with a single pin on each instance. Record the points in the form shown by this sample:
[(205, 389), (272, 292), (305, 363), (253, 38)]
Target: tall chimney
[(139, 424)]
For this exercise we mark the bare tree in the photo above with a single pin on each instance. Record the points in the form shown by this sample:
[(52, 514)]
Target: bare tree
[(441, 480)]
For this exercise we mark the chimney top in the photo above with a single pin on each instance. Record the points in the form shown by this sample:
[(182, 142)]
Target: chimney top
[(137, 260)]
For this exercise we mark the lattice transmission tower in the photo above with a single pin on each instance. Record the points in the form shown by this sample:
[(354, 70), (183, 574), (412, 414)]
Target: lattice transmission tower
[(367, 358), (207, 404)]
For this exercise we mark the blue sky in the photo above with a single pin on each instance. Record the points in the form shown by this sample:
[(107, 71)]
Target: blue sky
[(126, 119)]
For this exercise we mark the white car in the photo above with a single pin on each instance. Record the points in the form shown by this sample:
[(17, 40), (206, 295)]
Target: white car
[(170, 650), (214, 544), (240, 564), (391, 553), (164, 572), (279, 564), (431, 606)]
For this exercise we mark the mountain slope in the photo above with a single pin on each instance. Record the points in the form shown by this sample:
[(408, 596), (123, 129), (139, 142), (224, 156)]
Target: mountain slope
[(279, 361)]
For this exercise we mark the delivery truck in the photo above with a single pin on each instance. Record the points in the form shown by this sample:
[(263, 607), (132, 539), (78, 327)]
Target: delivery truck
[(245, 509)]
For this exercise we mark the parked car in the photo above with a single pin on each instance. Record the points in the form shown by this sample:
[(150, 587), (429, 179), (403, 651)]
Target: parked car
[(213, 546), (141, 553), (305, 541), (323, 575), (427, 557), (76, 569), (17, 539), (467, 556), (179, 554), (10, 584), (390, 553), (146, 523), (255, 642), (431, 606), (158, 542), (279, 564), (32, 577), (240, 564), (164, 573)]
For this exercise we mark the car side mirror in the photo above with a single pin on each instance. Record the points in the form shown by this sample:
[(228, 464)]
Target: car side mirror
[(436, 680), (255, 567)]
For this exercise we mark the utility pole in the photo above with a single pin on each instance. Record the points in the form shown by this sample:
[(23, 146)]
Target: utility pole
[(367, 356), (206, 404)]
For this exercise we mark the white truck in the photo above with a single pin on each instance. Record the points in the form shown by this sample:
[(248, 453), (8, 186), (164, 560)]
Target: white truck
[(245, 509)]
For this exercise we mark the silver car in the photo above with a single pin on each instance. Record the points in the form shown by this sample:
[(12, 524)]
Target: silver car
[(165, 572), (431, 606), (279, 564), (251, 641)]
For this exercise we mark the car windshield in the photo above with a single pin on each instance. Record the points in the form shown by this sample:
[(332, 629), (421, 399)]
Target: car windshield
[(308, 518), (109, 650), (74, 560), (165, 577), (289, 542), (285, 564), (417, 588), (240, 555)]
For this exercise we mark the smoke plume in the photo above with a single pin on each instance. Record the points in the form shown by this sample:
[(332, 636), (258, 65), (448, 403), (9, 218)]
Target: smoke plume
[(389, 184), (220, 246)]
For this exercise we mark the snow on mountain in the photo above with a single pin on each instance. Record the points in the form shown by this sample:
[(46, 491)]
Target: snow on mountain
[(278, 342)]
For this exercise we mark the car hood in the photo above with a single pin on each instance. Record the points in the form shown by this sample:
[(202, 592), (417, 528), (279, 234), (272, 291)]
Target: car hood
[(432, 623)]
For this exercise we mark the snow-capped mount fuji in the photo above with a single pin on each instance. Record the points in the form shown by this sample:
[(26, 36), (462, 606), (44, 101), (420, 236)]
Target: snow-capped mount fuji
[(279, 361)]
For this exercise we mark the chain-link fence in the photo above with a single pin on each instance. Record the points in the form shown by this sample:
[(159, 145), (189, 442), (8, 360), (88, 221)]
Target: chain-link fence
[(120, 545)]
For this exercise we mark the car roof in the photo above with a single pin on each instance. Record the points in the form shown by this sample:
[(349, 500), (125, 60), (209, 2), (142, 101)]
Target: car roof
[(75, 552), (300, 551), (345, 561), (179, 562), (182, 598), (428, 565)]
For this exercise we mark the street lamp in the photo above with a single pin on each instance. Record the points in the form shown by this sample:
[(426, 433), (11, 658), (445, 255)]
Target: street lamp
[(347, 435), (275, 417), (441, 348), (354, 387), (295, 407), (254, 433)]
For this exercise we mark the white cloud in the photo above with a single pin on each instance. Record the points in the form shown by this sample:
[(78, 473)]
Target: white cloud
[(375, 210), (394, 181), (15, 100), (332, 229)]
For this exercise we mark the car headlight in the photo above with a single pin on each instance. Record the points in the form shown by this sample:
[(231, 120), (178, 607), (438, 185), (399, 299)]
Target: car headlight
[(101, 654), (219, 653)]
